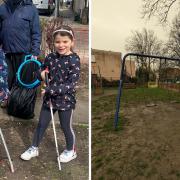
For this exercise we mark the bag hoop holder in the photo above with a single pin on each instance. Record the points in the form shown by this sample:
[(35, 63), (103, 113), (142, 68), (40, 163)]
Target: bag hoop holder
[(37, 81)]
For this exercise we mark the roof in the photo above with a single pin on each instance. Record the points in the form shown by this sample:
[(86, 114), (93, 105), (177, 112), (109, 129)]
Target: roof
[(97, 51)]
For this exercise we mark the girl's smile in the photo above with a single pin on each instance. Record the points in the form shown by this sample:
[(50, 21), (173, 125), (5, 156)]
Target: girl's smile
[(63, 45)]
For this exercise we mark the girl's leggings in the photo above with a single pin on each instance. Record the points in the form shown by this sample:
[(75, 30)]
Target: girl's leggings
[(65, 118)]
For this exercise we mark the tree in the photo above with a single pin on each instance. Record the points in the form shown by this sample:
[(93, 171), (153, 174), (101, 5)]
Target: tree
[(173, 45), (49, 28), (143, 75), (158, 8), (144, 42)]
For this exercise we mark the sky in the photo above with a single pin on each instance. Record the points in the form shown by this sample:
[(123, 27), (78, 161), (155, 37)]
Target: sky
[(113, 22)]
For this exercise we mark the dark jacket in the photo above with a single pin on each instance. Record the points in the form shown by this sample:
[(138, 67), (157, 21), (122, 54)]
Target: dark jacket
[(20, 28), (64, 72)]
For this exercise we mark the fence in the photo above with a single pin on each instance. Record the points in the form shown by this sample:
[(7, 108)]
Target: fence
[(170, 86)]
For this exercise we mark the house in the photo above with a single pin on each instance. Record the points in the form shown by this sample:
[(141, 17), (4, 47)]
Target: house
[(170, 73), (107, 64), (170, 78)]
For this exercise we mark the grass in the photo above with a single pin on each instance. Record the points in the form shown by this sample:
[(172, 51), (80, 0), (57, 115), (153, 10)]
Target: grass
[(106, 147), (138, 95), (149, 95), (104, 108)]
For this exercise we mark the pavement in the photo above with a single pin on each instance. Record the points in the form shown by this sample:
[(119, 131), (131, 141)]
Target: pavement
[(18, 135)]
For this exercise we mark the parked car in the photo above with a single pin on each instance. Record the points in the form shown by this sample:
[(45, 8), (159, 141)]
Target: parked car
[(45, 6)]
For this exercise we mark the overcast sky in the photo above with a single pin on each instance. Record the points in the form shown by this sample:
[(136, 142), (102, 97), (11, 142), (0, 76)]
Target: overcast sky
[(113, 21)]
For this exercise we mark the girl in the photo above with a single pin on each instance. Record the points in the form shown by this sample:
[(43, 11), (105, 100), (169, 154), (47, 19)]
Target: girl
[(63, 72)]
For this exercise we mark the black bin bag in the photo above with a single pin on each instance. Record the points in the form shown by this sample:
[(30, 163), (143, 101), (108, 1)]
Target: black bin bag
[(21, 102)]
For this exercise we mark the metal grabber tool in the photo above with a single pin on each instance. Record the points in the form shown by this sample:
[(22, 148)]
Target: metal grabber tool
[(7, 152), (53, 124)]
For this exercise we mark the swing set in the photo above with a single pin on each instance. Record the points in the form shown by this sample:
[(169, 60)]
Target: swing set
[(123, 74)]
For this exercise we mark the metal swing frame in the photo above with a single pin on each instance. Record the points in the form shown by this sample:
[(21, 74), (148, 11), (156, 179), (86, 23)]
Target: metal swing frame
[(118, 101)]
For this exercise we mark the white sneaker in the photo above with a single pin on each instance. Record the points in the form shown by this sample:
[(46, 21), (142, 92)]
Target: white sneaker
[(67, 156), (31, 152)]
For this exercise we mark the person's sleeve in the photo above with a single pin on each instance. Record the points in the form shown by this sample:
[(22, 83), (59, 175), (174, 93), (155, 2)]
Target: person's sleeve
[(0, 30), (35, 34), (71, 83)]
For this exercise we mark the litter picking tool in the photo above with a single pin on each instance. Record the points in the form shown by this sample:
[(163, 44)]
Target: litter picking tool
[(7, 152), (53, 124)]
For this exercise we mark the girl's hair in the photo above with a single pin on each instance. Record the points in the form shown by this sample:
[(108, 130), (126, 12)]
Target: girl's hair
[(64, 30)]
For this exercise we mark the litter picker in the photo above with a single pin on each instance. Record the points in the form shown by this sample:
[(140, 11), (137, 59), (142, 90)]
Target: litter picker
[(53, 124), (7, 152)]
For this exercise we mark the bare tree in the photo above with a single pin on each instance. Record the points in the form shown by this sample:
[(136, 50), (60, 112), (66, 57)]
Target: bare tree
[(48, 30), (173, 45), (144, 42), (158, 8)]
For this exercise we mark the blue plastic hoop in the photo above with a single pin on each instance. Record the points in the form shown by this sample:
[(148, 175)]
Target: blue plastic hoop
[(37, 81)]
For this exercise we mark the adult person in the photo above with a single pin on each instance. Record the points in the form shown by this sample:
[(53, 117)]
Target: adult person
[(19, 34)]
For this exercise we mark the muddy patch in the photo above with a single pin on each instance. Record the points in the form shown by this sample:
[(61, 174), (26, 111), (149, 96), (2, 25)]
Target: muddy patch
[(147, 146)]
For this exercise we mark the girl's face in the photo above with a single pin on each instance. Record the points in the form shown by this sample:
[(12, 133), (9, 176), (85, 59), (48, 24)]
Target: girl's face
[(63, 44)]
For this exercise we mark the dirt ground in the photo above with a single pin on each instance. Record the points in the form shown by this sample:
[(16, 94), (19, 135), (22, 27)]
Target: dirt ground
[(18, 135), (147, 146)]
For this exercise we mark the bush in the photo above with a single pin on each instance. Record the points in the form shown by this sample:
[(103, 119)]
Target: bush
[(107, 83)]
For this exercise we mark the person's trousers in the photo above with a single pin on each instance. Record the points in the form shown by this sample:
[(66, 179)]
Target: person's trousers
[(65, 118), (13, 60)]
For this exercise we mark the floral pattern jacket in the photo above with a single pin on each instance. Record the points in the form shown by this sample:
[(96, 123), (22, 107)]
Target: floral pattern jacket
[(3, 77)]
